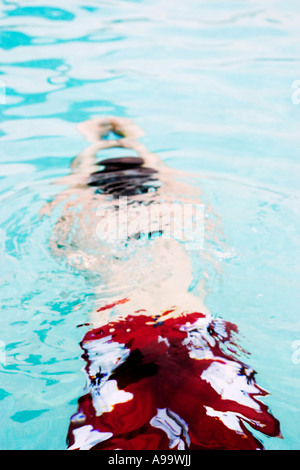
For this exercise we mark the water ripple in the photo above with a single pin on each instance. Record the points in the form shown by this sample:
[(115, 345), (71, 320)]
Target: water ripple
[(211, 83)]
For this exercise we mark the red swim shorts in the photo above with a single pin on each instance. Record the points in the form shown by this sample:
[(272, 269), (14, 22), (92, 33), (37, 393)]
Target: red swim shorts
[(160, 384)]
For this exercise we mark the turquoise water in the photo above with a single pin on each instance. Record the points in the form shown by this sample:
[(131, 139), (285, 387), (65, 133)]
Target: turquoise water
[(211, 83)]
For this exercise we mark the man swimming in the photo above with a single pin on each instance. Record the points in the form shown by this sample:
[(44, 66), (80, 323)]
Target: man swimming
[(162, 372), (117, 220)]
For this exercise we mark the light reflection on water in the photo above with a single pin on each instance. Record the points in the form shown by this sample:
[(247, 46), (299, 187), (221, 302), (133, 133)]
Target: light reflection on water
[(211, 83)]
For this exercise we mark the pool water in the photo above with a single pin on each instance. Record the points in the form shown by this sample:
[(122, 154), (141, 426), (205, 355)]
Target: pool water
[(214, 85)]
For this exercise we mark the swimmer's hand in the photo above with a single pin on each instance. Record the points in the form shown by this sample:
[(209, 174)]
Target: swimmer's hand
[(96, 129)]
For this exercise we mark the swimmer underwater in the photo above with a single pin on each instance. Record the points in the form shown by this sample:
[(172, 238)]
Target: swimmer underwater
[(161, 369)]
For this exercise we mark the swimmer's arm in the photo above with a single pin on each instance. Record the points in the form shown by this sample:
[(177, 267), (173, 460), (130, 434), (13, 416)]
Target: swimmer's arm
[(95, 130), (84, 163), (82, 166), (150, 159), (70, 194)]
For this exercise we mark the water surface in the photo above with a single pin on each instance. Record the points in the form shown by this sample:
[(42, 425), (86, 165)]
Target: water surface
[(211, 84)]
